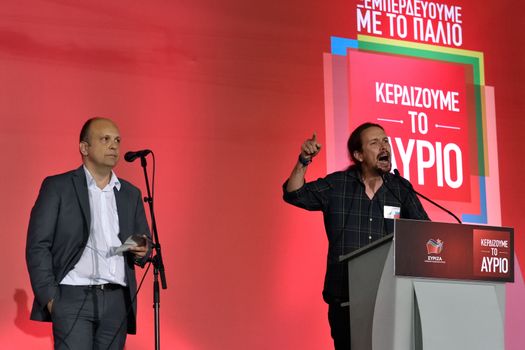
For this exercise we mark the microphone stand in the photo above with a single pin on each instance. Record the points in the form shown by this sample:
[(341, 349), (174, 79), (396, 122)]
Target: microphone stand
[(411, 188), (158, 264), (437, 205)]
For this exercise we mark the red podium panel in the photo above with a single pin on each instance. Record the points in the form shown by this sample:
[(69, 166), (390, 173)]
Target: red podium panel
[(454, 251)]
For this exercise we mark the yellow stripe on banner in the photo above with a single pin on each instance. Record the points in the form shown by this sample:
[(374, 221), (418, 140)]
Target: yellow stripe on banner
[(419, 46), (484, 123)]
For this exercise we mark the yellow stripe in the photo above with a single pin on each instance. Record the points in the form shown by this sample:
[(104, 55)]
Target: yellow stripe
[(411, 45)]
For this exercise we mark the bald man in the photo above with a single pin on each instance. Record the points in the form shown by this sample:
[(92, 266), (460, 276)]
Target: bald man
[(80, 282)]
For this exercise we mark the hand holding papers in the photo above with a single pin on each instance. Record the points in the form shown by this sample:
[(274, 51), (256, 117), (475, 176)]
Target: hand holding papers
[(132, 242)]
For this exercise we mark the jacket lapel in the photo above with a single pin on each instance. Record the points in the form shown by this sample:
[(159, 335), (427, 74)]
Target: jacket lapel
[(122, 210), (79, 181)]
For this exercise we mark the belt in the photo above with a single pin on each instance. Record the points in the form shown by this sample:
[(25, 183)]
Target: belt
[(107, 286)]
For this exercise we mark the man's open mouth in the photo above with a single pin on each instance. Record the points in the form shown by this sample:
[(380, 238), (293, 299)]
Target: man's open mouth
[(383, 158)]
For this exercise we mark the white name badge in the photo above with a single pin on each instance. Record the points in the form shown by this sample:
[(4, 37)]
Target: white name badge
[(391, 212)]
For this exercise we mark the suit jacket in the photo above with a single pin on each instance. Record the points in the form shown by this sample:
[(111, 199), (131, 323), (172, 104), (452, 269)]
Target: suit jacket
[(58, 233)]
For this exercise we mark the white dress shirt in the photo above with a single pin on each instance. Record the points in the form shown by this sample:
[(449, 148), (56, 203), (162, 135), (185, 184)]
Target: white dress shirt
[(99, 264)]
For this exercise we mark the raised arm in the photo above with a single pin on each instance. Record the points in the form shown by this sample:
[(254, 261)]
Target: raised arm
[(309, 149)]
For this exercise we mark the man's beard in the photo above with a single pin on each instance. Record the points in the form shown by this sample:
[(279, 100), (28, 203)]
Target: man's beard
[(382, 171)]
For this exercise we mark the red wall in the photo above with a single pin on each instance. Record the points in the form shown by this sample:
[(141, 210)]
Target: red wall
[(224, 93)]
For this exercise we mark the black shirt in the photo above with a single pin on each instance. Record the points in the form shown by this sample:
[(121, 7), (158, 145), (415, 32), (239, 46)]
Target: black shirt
[(351, 219)]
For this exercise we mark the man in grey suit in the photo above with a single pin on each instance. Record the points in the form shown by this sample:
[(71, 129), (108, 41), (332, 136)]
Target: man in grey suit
[(81, 283)]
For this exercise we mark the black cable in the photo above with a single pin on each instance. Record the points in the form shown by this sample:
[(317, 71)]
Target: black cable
[(386, 179), (130, 307), (153, 178), (63, 340)]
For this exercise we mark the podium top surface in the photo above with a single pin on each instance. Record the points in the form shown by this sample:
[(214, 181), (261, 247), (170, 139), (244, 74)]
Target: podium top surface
[(366, 248)]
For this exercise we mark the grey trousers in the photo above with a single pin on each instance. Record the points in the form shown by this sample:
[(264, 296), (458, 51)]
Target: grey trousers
[(88, 318)]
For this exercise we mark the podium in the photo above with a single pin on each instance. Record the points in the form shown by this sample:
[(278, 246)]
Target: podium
[(431, 285)]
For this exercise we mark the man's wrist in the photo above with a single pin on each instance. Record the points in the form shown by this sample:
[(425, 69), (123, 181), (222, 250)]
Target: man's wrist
[(304, 161)]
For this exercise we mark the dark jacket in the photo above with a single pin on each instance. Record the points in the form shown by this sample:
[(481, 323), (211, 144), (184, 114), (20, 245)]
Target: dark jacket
[(58, 233)]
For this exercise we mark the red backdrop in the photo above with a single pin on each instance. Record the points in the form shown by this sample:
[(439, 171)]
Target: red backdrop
[(224, 93)]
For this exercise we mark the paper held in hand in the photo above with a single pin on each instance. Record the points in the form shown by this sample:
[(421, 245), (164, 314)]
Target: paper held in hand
[(131, 242)]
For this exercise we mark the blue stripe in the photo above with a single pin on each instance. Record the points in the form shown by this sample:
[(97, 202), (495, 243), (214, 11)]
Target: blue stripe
[(339, 45), (482, 217)]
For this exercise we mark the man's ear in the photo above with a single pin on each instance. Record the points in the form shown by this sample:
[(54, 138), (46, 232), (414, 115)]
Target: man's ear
[(83, 146), (358, 155)]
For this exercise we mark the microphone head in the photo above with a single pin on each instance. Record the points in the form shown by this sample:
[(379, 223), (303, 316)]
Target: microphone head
[(385, 176), (396, 172), (130, 156)]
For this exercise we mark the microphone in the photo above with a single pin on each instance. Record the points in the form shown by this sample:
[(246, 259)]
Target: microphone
[(131, 156), (409, 186), (386, 180)]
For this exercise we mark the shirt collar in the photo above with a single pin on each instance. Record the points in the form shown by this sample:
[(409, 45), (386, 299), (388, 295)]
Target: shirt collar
[(354, 173), (113, 182)]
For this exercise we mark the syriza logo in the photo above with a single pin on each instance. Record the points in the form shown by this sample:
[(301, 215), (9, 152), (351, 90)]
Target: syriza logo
[(434, 249)]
